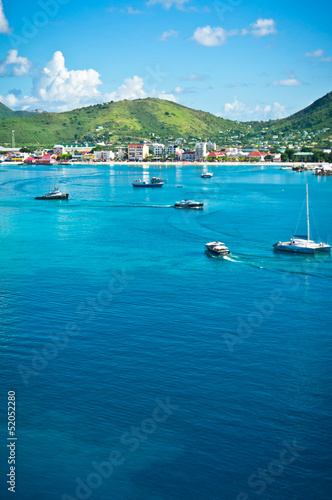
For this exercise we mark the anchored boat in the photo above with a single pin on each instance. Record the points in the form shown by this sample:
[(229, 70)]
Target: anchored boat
[(188, 204), (53, 195), (154, 182), (207, 175), (302, 244)]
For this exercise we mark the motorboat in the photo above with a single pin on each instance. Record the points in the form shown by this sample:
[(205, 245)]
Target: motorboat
[(188, 204), (217, 249), (53, 195), (207, 175), (154, 182), (302, 244)]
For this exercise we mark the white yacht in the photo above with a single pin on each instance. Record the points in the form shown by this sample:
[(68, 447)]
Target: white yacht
[(188, 204), (217, 249), (154, 182), (303, 244)]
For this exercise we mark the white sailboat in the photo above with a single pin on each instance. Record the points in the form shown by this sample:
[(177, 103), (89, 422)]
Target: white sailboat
[(303, 244)]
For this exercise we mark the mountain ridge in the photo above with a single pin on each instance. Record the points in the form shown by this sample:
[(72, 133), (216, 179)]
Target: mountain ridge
[(145, 119)]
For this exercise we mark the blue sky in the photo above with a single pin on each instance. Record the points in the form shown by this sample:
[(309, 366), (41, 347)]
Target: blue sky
[(240, 59)]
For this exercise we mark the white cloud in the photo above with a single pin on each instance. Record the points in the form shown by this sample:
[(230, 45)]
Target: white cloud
[(189, 90), (4, 25), (318, 54), (167, 4), (288, 82), (237, 110), (214, 37), (315, 53), (168, 34), (210, 37), (167, 97), (132, 88), (133, 12), (68, 88), (195, 77), (13, 101), (263, 27), (236, 85), (14, 65), (56, 88)]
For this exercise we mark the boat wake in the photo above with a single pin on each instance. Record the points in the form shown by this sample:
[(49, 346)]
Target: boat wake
[(227, 257)]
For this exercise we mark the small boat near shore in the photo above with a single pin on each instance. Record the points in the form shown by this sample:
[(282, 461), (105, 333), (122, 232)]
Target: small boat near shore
[(154, 182), (53, 195), (207, 175), (188, 204), (217, 249), (302, 244)]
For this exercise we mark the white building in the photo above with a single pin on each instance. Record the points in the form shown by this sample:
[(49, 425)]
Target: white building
[(172, 150), (137, 152), (188, 155), (211, 146), (158, 150), (59, 149), (120, 154), (104, 155), (200, 151)]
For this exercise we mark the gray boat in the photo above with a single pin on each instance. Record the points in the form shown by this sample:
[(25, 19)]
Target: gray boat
[(53, 195)]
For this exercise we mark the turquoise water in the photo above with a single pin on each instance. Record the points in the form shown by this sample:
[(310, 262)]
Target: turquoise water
[(110, 309)]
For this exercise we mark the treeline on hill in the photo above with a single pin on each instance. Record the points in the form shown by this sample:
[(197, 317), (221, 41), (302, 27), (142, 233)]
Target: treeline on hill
[(157, 120)]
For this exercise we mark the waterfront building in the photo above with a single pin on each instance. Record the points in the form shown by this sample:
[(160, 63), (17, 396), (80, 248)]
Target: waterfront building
[(59, 149), (216, 154), (158, 150), (104, 155), (188, 155), (138, 152), (173, 149), (257, 154), (200, 151)]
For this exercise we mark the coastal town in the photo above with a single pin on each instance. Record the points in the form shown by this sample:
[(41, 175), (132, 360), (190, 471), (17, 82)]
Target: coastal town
[(174, 151)]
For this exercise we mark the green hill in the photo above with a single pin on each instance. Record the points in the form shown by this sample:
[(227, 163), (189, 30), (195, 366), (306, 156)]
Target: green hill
[(5, 112), (122, 120), (314, 117), (147, 119)]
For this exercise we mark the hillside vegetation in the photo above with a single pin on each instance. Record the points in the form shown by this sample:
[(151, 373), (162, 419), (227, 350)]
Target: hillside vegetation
[(123, 120), (314, 117), (146, 119)]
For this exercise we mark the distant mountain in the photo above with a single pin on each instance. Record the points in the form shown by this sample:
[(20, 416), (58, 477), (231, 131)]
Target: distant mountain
[(124, 120), (145, 119), (6, 112), (314, 117)]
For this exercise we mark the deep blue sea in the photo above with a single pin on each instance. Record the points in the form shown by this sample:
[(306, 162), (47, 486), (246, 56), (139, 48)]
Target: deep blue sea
[(145, 370)]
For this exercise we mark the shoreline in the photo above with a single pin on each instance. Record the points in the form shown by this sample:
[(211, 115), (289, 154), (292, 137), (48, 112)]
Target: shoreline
[(172, 164)]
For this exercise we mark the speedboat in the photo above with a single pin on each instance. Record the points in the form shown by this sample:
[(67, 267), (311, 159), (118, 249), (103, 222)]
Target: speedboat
[(207, 175), (154, 182), (302, 244), (188, 204), (53, 195), (217, 249)]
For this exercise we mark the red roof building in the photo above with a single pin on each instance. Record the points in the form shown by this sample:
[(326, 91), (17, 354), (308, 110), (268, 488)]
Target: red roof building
[(216, 154), (257, 154)]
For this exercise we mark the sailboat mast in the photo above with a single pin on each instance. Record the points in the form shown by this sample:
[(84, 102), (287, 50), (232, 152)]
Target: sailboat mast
[(308, 223)]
